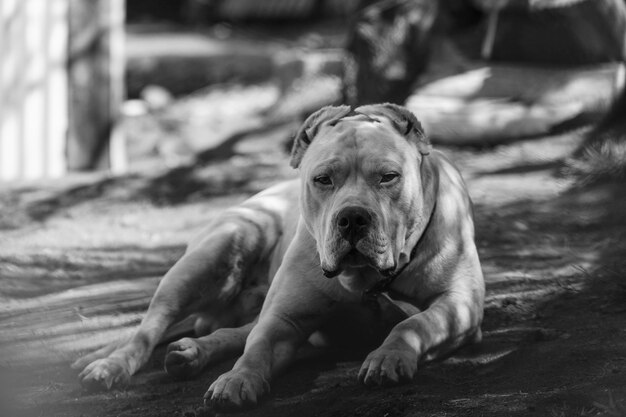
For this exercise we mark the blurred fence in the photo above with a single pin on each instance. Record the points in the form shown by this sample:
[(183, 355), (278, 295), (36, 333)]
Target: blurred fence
[(61, 85), (33, 88)]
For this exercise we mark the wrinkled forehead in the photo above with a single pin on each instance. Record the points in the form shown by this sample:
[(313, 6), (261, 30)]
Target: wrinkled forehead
[(359, 136)]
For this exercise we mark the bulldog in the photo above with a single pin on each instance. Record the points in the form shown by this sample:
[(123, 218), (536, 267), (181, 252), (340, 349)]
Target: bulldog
[(376, 213)]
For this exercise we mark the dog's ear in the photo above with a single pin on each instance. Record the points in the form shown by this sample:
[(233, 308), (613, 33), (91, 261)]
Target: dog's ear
[(403, 120), (311, 126)]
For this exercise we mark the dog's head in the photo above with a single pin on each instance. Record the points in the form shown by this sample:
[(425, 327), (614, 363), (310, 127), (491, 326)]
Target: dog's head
[(365, 191)]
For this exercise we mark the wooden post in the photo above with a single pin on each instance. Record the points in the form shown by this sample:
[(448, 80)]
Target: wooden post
[(96, 80)]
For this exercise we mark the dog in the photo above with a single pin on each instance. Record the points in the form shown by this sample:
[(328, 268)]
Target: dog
[(376, 213)]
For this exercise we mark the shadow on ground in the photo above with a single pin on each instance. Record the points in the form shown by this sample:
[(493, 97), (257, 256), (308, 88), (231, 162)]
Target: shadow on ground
[(554, 329)]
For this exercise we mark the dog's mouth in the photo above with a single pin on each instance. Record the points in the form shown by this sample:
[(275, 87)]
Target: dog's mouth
[(354, 259)]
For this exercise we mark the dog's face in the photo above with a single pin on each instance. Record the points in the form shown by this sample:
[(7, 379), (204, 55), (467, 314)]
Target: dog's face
[(361, 190)]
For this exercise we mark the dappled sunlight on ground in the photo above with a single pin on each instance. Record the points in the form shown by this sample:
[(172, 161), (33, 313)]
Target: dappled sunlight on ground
[(81, 273)]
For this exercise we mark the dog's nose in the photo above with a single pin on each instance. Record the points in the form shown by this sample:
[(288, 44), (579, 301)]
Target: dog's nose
[(353, 223)]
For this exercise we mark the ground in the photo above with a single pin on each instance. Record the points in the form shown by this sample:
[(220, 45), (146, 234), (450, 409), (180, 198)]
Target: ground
[(81, 258)]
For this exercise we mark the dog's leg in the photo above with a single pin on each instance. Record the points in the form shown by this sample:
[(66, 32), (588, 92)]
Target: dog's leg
[(222, 339), (189, 356), (295, 306), (451, 320), (209, 273), (269, 348)]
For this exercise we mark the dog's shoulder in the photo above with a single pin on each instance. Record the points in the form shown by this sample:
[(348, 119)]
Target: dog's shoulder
[(453, 205), (448, 241)]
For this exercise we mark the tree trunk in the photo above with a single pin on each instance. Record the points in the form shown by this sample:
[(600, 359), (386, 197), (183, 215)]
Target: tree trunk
[(96, 79)]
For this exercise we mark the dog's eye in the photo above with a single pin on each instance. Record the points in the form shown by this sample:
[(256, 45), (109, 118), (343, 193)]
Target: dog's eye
[(388, 177), (323, 180)]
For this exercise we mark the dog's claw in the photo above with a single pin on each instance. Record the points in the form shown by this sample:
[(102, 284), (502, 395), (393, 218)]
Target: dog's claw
[(388, 366), (104, 373), (236, 390)]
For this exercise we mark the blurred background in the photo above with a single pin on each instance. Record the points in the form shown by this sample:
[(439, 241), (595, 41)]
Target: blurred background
[(125, 126), (122, 86)]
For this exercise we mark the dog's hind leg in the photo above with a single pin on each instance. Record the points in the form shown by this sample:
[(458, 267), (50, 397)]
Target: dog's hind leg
[(221, 338), (189, 356), (211, 273)]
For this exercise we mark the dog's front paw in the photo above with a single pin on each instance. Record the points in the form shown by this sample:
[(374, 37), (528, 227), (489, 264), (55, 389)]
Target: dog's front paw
[(389, 365), (104, 373), (237, 390)]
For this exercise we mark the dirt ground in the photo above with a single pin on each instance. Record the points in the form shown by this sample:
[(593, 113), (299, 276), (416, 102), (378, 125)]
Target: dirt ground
[(79, 261)]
